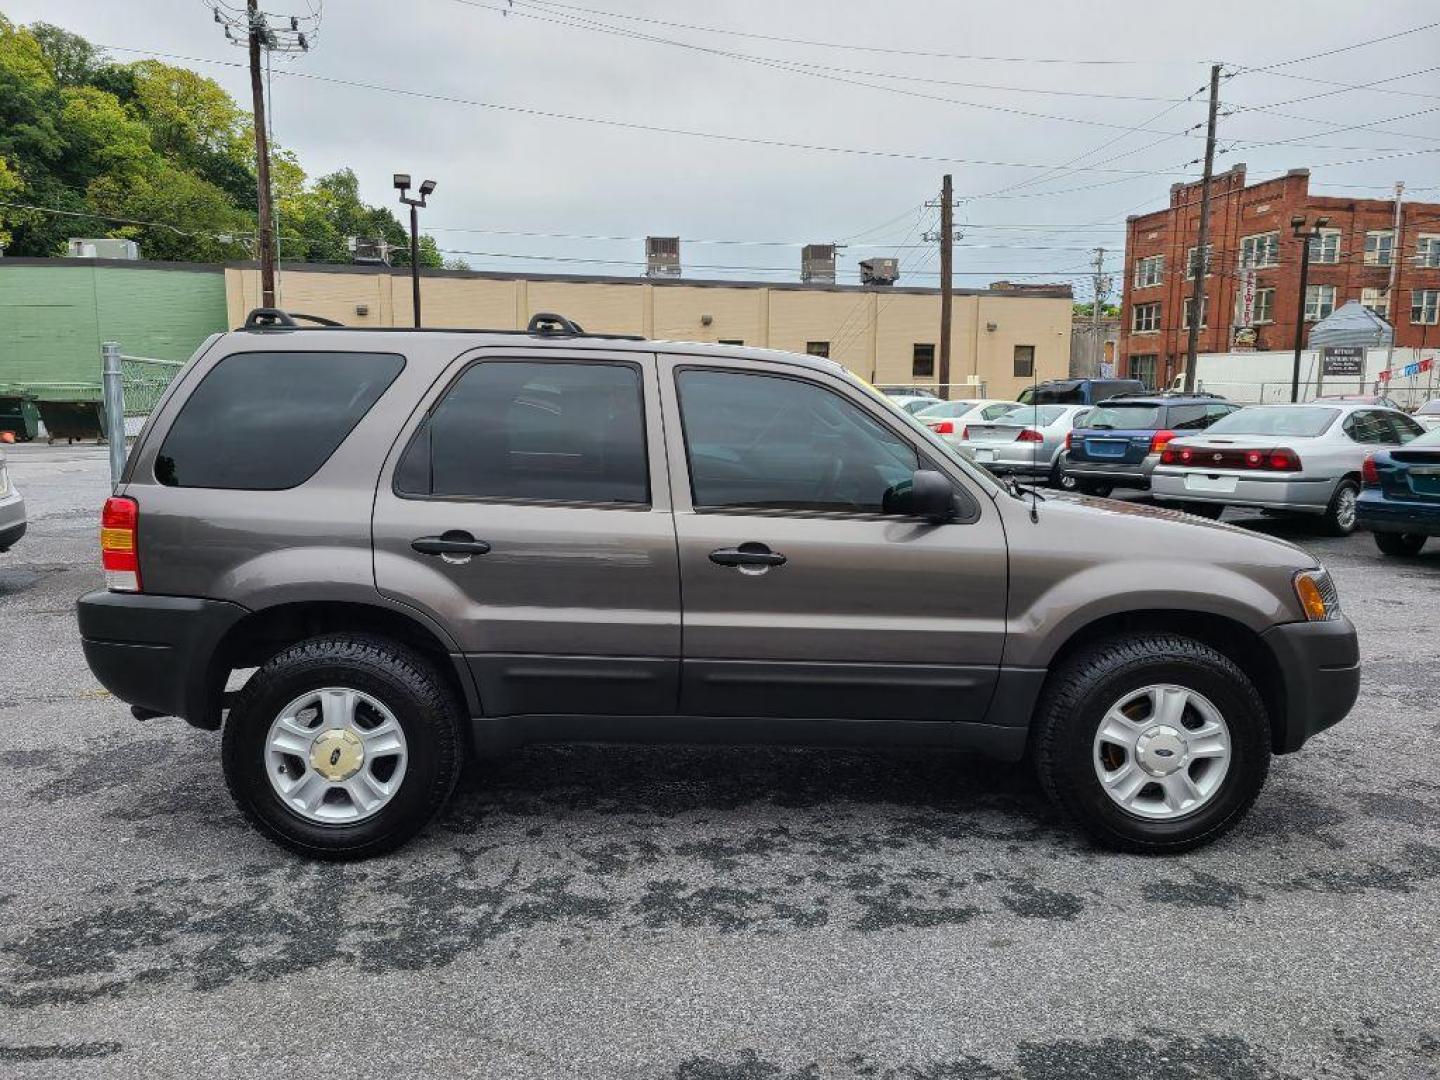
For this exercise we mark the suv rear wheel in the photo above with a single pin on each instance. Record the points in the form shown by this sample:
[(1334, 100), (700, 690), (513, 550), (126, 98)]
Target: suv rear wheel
[(1153, 742), (343, 746), (1392, 543)]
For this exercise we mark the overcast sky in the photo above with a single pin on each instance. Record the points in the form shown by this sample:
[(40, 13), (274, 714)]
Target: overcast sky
[(505, 172)]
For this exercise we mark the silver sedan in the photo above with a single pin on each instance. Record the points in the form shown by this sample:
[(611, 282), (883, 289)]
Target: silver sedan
[(1027, 440), (1300, 458), (12, 509)]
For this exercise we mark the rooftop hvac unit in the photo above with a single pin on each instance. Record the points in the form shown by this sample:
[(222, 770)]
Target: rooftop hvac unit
[(817, 263), (103, 248), (368, 251), (662, 256), (879, 271)]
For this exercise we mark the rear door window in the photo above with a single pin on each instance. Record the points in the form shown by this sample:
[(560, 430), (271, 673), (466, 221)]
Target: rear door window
[(266, 421), (559, 432)]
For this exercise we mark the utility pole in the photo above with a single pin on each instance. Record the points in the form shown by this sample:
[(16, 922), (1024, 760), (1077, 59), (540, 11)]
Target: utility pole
[(262, 157), (1305, 236), (255, 33), (1396, 247), (947, 246), (1202, 241), (1102, 289)]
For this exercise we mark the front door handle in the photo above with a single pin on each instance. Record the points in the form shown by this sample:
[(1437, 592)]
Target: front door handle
[(453, 542), (751, 554)]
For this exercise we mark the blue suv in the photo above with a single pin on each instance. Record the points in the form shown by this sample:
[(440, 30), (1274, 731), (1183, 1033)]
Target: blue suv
[(1118, 443)]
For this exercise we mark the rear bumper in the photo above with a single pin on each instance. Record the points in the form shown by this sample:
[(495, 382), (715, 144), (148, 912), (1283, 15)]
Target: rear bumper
[(1297, 496), (156, 651), (1121, 474), (12, 520), (1320, 672), (1007, 458), (1378, 513)]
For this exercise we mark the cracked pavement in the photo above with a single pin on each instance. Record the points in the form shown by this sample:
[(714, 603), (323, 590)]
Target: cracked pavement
[(708, 913)]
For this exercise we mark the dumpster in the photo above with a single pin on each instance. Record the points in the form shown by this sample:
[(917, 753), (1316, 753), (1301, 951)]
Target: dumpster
[(71, 420), (18, 415)]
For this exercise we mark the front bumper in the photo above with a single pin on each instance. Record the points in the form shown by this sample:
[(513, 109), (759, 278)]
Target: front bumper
[(1378, 513), (157, 651), (1320, 677), (1296, 496), (12, 520)]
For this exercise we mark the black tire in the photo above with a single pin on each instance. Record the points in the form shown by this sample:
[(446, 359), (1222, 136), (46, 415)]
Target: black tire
[(1204, 510), (1392, 543), (1339, 517), (1059, 478), (405, 682), (1079, 693), (1096, 487)]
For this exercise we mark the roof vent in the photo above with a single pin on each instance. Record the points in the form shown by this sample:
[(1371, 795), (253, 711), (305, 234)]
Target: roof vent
[(879, 271), (662, 256), (368, 251), (103, 248), (817, 264)]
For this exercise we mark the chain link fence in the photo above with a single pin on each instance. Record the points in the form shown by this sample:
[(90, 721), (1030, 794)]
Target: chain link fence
[(145, 379)]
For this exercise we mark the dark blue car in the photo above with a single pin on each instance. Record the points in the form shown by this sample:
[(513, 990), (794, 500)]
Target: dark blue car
[(1118, 443), (1400, 502)]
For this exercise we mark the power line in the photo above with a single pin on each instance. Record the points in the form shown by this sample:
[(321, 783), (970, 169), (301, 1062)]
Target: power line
[(1346, 48)]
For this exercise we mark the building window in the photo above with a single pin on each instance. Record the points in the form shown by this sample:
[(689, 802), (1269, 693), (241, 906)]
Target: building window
[(731, 341), (1379, 247), (1145, 318), (1190, 309), (922, 361), (1325, 248), (1143, 367), (1149, 271), (1319, 302), (1377, 300), (1259, 251), (1425, 306), (817, 348), (1427, 250), (1191, 263), (1024, 361), (1262, 311)]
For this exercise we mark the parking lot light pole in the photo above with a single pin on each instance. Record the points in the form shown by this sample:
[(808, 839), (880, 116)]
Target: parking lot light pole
[(1297, 226), (402, 185)]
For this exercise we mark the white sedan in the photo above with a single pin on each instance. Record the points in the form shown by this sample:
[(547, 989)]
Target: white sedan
[(1305, 459), (948, 418)]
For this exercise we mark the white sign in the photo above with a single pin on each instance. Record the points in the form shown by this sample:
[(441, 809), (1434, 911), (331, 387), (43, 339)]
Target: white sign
[(1246, 316)]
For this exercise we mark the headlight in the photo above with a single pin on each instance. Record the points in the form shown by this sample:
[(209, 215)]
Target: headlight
[(1317, 595)]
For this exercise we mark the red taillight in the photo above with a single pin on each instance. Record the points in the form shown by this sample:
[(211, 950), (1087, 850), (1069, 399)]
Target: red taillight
[(1069, 439), (943, 427), (1283, 461), (965, 433), (119, 547), (1029, 435), (1160, 440), (1168, 456), (1369, 474)]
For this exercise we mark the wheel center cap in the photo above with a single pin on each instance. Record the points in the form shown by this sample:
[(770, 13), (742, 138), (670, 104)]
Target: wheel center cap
[(1161, 750), (337, 754)]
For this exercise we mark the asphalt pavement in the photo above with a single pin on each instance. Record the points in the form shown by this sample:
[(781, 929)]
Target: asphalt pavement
[(705, 914)]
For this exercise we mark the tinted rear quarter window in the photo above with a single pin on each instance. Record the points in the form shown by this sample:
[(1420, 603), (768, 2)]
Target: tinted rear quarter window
[(1125, 417), (266, 421)]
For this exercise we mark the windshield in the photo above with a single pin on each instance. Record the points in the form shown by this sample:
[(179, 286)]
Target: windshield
[(1304, 420), (947, 408), (1124, 417)]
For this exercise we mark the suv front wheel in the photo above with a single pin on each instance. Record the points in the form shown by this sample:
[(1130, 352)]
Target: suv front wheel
[(343, 746), (1152, 742)]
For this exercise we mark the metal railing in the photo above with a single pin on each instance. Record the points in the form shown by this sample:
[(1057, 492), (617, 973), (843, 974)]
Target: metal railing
[(131, 387)]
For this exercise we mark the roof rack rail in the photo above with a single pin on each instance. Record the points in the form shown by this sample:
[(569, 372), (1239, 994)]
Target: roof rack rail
[(267, 318), (548, 324)]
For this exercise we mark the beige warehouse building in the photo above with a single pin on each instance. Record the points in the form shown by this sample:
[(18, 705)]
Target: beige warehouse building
[(1002, 337)]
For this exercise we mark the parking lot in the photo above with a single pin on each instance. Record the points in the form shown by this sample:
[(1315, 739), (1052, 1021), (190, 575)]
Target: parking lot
[(705, 914)]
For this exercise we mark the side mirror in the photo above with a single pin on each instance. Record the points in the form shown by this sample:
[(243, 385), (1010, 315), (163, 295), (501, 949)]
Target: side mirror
[(930, 496)]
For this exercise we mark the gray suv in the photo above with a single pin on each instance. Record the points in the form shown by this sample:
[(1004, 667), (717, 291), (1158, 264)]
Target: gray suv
[(434, 543)]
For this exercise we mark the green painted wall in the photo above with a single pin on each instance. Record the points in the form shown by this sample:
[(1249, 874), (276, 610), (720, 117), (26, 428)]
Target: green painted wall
[(54, 315)]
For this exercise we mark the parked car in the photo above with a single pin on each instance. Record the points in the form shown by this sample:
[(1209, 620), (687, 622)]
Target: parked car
[(1303, 459), (1400, 500), (912, 405), (1078, 391), (908, 391), (12, 509), (426, 539), (1119, 442), (1429, 413), (948, 418), (1028, 440)]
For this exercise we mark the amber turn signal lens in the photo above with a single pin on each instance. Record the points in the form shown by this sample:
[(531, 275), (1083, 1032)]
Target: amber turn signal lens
[(1310, 598)]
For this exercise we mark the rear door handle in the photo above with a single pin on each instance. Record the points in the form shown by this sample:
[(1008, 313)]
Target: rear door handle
[(750, 554), (453, 542)]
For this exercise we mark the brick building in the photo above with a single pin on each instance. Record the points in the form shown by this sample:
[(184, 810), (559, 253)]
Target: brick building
[(1251, 236)]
